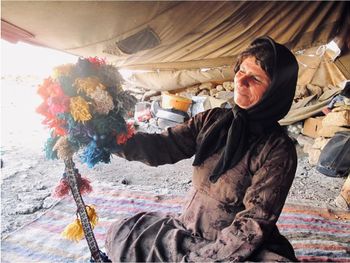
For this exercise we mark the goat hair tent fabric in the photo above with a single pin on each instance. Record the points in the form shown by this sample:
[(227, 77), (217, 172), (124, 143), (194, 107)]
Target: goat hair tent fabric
[(171, 34)]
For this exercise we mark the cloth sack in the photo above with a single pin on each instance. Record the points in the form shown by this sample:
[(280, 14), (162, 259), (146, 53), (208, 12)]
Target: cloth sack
[(334, 160)]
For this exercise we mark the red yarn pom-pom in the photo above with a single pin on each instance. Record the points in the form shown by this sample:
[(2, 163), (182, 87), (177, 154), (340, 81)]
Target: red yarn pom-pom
[(84, 185), (62, 189)]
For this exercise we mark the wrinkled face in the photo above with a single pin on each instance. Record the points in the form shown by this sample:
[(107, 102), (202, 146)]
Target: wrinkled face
[(251, 82)]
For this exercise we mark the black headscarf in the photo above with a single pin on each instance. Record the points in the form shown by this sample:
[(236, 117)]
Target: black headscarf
[(235, 128)]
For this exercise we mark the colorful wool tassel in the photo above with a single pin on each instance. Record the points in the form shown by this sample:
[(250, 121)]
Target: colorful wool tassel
[(94, 154), (111, 124), (74, 231), (57, 105), (50, 88), (79, 109), (124, 137), (84, 68), (88, 85), (92, 214), (103, 102), (57, 125), (79, 134), (111, 79), (49, 145), (66, 83), (97, 61), (43, 109), (63, 70), (63, 188), (63, 148), (84, 185)]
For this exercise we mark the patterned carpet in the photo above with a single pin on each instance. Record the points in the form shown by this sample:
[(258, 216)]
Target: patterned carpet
[(316, 235)]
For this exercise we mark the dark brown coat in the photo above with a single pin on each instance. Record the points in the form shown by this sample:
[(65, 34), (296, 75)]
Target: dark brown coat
[(233, 219)]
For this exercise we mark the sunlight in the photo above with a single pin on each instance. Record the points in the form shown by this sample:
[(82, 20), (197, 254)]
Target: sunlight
[(25, 59), (23, 67)]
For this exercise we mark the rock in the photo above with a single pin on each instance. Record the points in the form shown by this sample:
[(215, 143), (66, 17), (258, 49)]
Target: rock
[(345, 191), (189, 92), (28, 198), (330, 130), (219, 88), (206, 85), (24, 208), (151, 93), (42, 195), (320, 143), (125, 181), (312, 126), (295, 128), (24, 176), (302, 140), (41, 187), (314, 155), (228, 85), (224, 95), (213, 92), (49, 202), (337, 118)]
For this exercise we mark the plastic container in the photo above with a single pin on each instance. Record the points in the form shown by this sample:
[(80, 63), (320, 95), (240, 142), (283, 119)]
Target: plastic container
[(175, 102)]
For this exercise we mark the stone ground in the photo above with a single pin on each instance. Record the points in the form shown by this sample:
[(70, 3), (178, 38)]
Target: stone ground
[(27, 179)]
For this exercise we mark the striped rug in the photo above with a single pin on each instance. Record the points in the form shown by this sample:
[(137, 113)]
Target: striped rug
[(316, 235)]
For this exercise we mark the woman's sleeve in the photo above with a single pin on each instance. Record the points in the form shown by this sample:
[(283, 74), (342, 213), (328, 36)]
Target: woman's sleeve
[(263, 202), (175, 144)]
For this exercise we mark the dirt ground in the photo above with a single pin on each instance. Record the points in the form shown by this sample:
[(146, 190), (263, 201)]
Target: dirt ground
[(27, 179)]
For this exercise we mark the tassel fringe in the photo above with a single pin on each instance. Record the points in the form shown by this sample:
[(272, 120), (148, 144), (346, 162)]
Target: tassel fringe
[(74, 231), (63, 188)]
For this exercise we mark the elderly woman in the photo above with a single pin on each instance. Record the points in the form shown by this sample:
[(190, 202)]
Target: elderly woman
[(244, 166)]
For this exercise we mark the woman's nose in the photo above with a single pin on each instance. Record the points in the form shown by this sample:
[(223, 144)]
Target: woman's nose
[(242, 80)]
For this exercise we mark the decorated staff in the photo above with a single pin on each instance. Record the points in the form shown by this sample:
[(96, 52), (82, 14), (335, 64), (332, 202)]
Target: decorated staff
[(84, 107)]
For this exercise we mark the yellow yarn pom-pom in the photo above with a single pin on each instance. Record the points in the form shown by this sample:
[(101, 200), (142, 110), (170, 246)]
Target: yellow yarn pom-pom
[(93, 217), (74, 231), (79, 109)]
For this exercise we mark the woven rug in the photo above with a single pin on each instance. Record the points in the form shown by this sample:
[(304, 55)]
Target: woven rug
[(316, 235)]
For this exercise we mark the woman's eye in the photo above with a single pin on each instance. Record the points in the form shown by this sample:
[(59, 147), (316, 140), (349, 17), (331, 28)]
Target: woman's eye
[(256, 80)]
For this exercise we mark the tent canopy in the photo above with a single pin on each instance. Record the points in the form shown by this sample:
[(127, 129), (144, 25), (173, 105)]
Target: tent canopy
[(171, 34)]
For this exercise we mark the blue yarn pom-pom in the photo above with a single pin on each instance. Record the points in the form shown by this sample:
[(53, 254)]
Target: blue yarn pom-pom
[(49, 152), (94, 154)]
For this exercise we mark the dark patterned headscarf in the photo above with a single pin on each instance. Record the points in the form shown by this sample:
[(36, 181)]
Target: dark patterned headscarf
[(235, 128)]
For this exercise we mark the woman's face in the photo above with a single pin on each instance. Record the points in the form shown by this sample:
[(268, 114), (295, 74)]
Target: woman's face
[(251, 82)]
